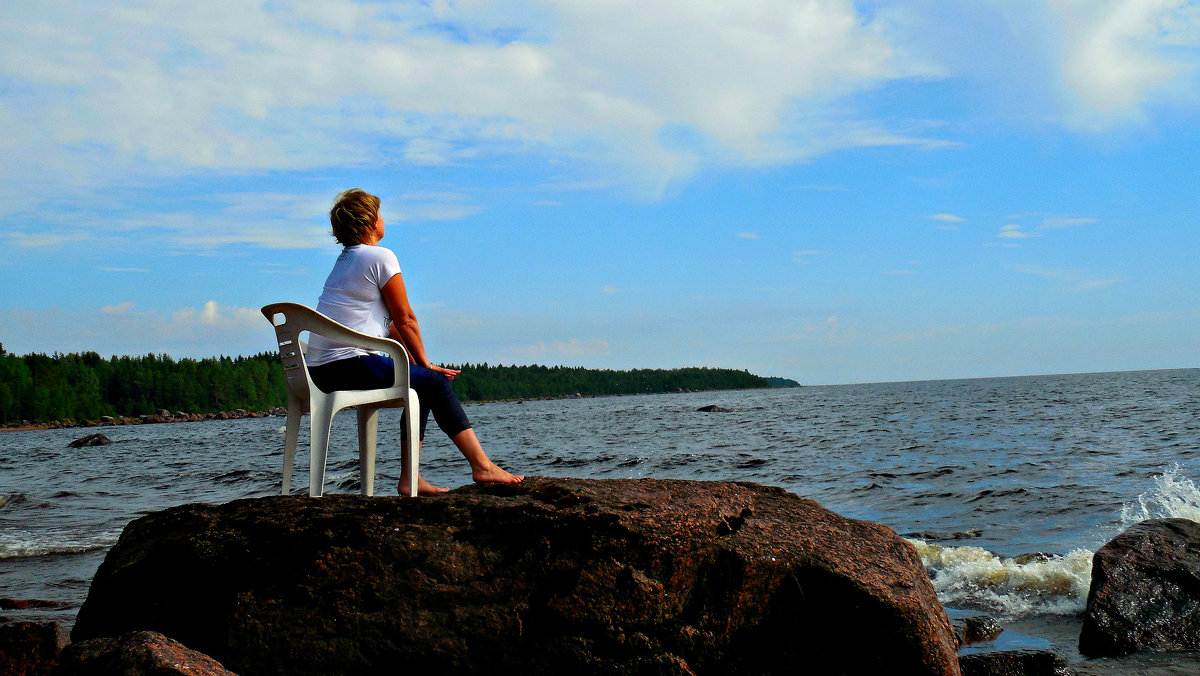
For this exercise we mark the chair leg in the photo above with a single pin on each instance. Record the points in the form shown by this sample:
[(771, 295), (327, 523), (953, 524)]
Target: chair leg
[(368, 432), (319, 423), (412, 437), (290, 439)]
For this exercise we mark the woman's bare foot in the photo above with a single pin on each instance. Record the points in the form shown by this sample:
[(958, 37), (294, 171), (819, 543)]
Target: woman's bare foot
[(423, 488), (494, 475)]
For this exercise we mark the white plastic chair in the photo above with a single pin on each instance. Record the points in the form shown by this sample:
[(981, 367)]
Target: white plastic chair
[(289, 320)]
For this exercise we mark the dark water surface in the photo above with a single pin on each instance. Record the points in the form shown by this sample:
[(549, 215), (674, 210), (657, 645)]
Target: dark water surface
[(1051, 464)]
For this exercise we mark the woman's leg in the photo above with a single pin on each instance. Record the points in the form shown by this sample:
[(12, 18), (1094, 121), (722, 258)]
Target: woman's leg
[(438, 396), (483, 469), (423, 486)]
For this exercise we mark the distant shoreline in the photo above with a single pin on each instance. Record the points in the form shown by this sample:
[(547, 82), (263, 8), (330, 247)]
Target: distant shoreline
[(281, 411), (121, 421)]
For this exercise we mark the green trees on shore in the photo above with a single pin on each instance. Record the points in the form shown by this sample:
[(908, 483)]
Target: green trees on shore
[(481, 382), (39, 388)]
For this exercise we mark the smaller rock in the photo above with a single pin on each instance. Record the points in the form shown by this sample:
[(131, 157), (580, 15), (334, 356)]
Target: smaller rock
[(139, 652), (975, 628), (25, 604), (29, 648), (946, 535), (107, 419), (713, 408), (96, 439), (1033, 557), (1024, 662)]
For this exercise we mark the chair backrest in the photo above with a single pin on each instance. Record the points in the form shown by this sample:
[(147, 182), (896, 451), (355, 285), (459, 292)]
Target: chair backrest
[(292, 319), (289, 321)]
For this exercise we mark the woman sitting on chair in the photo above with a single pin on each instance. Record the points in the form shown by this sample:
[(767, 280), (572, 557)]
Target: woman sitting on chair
[(365, 292)]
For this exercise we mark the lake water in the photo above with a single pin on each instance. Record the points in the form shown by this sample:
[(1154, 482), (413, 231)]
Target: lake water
[(973, 472)]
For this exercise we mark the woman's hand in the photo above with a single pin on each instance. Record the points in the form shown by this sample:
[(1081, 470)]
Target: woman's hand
[(449, 373)]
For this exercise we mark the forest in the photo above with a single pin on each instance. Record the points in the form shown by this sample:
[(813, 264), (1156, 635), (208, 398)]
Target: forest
[(39, 388)]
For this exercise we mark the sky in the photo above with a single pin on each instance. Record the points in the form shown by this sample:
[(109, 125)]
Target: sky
[(824, 190)]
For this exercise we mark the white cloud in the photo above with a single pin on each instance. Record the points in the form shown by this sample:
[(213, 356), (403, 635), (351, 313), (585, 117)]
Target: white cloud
[(213, 315), (947, 218), (803, 255), (1114, 56), (1090, 65), (749, 235), (622, 93), (1014, 231), (1073, 281), (1060, 222), (825, 188), (123, 329), (297, 85), (434, 206), (609, 288), (31, 240), (118, 309), (572, 348)]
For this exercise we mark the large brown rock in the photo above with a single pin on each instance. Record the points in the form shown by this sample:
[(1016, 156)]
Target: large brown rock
[(139, 653), (550, 577), (30, 648), (1145, 593)]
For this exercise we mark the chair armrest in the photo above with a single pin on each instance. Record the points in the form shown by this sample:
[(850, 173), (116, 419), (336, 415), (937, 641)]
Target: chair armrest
[(393, 348), (308, 319)]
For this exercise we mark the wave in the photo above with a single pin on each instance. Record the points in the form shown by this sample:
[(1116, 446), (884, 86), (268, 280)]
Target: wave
[(22, 543), (12, 499), (1030, 584), (1173, 496), (1036, 584)]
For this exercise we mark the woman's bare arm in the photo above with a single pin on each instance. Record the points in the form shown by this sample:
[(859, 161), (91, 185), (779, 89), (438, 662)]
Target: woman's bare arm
[(404, 324)]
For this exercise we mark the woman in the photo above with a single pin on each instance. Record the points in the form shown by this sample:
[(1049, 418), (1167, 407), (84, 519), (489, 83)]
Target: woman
[(365, 292)]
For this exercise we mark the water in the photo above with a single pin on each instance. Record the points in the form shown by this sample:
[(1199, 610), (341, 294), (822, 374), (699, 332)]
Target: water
[(974, 472)]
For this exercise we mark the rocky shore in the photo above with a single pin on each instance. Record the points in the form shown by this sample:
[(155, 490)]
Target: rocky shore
[(163, 416)]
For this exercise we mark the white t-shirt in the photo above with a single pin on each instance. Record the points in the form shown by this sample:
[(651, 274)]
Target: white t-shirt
[(353, 296)]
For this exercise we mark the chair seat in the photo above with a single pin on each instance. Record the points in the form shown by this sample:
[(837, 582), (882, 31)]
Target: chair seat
[(292, 319)]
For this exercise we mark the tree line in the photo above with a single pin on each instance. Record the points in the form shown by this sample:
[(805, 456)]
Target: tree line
[(482, 382), (41, 388)]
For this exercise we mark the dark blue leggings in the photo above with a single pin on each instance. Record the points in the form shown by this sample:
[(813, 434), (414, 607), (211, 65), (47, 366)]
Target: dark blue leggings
[(373, 371)]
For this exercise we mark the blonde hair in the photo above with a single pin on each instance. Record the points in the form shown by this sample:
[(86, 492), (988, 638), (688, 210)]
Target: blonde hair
[(353, 216)]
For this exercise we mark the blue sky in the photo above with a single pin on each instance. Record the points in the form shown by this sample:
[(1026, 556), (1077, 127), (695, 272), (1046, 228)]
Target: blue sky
[(827, 190)]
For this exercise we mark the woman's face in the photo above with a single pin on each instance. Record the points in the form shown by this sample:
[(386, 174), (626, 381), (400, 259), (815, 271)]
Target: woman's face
[(379, 227)]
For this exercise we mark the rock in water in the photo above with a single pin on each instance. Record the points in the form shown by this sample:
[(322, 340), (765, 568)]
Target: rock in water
[(551, 576), (96, 439), (1025, 662), (141, 652), (975, 628), (1145, 593), (713, 408)]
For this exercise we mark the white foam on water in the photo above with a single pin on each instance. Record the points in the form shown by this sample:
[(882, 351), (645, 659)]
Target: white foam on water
[(1173, 496), (973, 577), (16, 543)]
